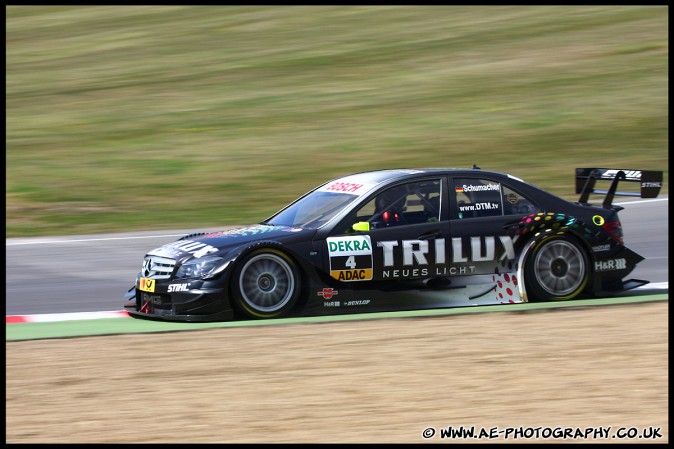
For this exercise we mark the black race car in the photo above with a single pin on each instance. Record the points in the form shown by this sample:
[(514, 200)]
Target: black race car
[(400, 239)]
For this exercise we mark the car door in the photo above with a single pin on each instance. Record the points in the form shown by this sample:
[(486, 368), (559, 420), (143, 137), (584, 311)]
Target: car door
[(400, 233), (481, 207)]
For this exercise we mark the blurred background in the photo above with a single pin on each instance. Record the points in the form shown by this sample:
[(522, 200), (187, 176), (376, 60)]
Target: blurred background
[(125, 118)]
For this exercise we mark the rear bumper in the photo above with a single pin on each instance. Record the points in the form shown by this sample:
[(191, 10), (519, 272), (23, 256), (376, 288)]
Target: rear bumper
[(613, 288), (634, 283), (611, 267)]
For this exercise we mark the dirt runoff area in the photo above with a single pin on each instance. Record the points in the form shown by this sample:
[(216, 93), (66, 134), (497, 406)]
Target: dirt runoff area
[(375, 381)]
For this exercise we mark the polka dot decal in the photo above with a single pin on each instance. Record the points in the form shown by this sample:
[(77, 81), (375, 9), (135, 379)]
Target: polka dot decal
[(506, 290)]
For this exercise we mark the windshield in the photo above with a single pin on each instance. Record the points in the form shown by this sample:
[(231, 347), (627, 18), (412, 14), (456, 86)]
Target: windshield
[(312, 211)]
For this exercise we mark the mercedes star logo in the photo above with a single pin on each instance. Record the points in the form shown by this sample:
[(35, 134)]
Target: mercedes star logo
[(147, 267)]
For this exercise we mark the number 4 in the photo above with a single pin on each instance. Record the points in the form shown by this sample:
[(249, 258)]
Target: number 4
[(351, 262)]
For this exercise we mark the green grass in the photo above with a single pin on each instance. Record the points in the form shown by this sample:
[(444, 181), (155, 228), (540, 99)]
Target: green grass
[(124, 118)]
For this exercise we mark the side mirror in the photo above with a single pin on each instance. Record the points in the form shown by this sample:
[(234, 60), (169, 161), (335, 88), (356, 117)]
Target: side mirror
[(362, 226)]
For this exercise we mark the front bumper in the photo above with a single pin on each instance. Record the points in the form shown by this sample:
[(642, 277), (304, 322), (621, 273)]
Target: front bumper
[(218, 316), (199, 301)]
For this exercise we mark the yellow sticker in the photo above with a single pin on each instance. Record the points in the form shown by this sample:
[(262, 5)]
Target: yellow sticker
[(146, 285), (598, 220), (352, 275)]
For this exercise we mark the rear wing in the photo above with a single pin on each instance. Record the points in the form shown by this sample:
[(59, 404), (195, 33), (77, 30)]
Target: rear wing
[(650, 181)]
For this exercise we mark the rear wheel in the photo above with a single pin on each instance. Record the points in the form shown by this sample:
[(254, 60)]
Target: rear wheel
[(556, 270), (265, 284)]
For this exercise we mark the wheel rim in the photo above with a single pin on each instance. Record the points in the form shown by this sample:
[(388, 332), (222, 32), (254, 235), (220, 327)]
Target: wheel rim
[(560, 268), (266, 283)]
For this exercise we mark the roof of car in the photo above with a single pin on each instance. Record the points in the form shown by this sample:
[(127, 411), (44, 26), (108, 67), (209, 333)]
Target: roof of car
[(364, 182), (377, 176)]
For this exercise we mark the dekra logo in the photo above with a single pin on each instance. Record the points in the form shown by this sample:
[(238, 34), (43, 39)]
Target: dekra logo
[(349, 245)]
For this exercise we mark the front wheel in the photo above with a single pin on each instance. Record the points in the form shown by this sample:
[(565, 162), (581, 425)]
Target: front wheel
[(265, 284), (556, 270)]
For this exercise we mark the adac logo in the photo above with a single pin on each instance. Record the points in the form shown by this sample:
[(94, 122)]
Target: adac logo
[(327, 293), (147, 285)]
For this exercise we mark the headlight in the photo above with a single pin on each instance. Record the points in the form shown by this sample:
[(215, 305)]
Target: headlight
[(203, 267)]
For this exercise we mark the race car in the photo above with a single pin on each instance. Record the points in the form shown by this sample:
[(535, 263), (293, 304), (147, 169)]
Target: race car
[(401, 239)]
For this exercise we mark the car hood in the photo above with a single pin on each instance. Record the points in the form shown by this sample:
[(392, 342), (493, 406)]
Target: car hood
[(199, 245)]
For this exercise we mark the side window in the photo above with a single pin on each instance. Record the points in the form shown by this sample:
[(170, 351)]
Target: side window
[(478, 197), (516, 204), (411, 203)]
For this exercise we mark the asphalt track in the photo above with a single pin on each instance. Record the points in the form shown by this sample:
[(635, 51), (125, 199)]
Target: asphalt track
[(91, 273)]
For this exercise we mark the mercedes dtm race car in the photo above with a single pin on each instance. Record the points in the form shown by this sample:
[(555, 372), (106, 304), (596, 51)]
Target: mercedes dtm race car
[(400, 239)]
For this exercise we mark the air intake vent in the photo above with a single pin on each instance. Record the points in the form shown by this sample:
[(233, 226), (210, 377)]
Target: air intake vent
[(155, 267)]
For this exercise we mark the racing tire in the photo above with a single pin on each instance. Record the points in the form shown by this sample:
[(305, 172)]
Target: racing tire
[(557, 269), (265, 284)]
